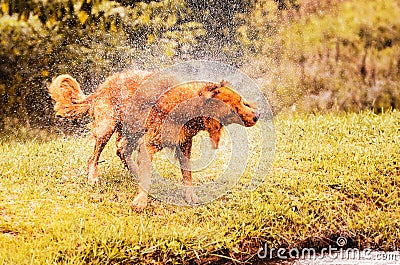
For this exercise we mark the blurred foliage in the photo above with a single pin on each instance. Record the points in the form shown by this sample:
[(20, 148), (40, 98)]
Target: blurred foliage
[(88, 39), (307, 54), (330, 55)]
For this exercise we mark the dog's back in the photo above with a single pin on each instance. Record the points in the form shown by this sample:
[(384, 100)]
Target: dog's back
[(119, 90), (114, 93)]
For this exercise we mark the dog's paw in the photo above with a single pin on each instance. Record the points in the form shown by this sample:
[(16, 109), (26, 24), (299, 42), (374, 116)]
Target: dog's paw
[(140, 202), (93, 181), (190, 197)]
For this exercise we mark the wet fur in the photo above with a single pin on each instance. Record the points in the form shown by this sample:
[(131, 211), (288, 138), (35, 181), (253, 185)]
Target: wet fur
[(171, 121)]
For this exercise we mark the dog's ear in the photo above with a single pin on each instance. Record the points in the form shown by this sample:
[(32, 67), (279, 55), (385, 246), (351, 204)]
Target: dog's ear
[(213, 126), (210, 90), (225, 83)]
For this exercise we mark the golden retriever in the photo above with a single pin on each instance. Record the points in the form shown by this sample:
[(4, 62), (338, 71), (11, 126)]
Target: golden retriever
[(178, 114)]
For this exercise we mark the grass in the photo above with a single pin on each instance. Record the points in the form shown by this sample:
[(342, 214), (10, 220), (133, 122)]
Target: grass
[(333, 175)]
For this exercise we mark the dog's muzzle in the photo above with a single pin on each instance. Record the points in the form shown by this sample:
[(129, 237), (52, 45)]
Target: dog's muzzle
[(256, 116)]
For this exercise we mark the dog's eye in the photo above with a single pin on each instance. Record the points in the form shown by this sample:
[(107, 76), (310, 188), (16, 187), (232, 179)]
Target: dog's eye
[(246, 104)]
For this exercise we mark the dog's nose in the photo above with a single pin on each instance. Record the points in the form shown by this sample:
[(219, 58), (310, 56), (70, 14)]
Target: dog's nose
[(256, 116)]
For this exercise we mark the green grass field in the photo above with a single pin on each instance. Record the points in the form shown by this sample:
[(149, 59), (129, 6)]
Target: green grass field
[(333, 175)]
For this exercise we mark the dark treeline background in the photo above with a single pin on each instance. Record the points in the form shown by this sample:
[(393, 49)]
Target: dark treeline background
[(306, 55)]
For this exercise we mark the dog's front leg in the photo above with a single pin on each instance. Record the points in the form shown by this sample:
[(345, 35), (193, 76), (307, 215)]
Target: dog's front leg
[(145, 156)]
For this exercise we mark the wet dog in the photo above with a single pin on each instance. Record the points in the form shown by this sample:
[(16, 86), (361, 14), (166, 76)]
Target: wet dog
[(172, 120)]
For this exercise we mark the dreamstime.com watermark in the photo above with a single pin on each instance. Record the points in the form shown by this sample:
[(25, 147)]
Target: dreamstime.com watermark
[(340, 253)]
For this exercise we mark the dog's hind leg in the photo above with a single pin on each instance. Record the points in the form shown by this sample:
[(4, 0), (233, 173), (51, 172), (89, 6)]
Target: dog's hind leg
[(145, 157), (125, 152), (183, 155), (101, 132)]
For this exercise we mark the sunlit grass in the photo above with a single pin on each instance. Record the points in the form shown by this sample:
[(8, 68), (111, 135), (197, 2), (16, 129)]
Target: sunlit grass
[(333, 175)]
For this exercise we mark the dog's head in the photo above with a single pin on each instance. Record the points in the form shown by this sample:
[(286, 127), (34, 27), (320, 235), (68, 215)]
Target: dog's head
[(228, 106)]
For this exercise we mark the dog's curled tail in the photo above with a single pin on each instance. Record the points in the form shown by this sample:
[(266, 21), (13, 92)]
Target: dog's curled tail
[(70, 101)]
